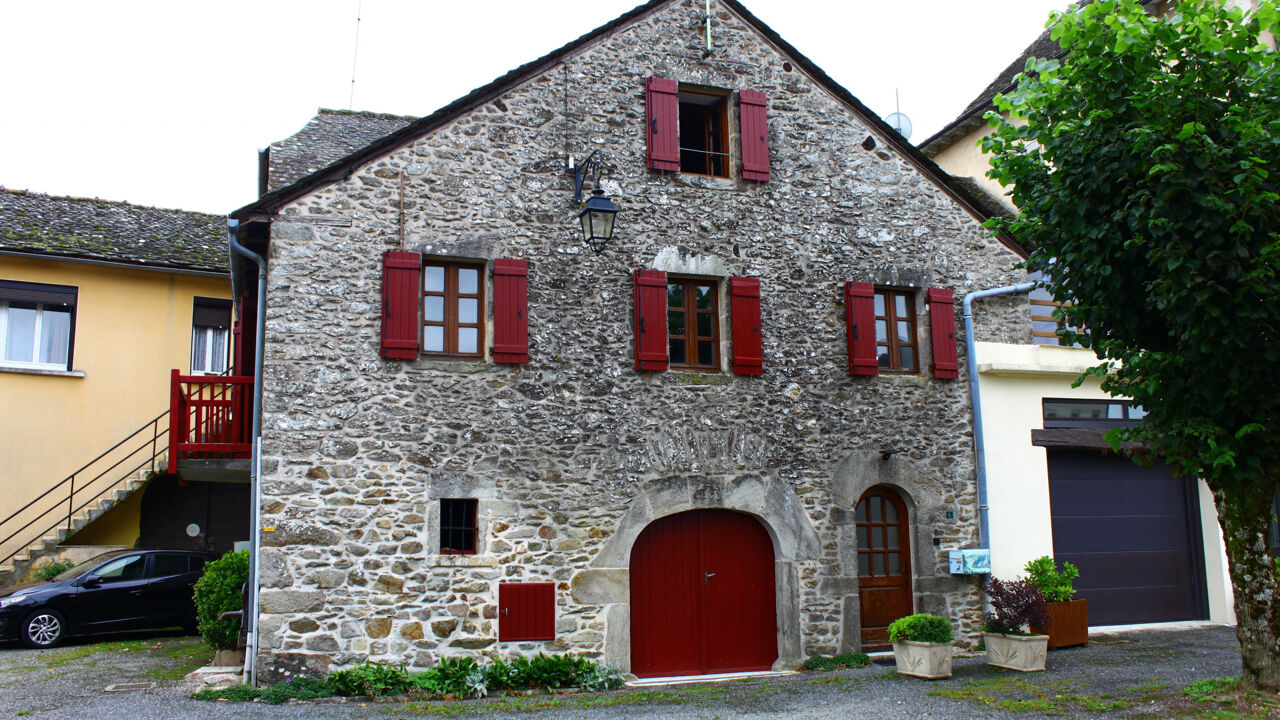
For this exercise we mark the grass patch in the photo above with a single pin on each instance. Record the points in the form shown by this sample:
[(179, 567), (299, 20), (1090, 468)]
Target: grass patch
[(643, 697), (837, 662), (64, 657), (1020, 694), (183, 656), (837, 680), (1213, 690)]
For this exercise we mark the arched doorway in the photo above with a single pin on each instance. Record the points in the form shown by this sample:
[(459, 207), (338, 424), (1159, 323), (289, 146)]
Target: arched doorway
[(884, 564), (702, 595)]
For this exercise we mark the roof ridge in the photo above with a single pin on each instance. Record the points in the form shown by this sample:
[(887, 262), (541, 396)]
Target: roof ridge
[(366, 113)]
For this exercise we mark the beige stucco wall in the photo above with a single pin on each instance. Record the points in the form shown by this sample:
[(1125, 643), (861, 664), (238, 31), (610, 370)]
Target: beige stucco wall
[(131, 328), (1013, 379), (964, 158)]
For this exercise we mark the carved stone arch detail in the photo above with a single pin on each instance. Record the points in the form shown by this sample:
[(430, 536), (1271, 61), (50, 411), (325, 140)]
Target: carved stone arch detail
[(772, 501)]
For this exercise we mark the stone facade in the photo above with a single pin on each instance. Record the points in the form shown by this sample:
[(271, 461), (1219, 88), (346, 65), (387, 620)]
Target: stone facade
[(571, 455)]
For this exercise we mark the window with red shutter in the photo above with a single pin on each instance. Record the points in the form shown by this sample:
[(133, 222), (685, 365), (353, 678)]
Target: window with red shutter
[(651, 319), (662, 99), (860, 318), (526, 611), (744, 304), (753, 127), (400, 297), (510, 311), (942, 331)]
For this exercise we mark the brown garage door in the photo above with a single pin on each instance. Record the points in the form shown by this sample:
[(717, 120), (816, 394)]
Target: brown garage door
[(1134, 533)]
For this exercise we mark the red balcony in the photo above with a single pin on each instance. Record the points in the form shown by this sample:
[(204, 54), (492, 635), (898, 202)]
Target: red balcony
[(209, 417)]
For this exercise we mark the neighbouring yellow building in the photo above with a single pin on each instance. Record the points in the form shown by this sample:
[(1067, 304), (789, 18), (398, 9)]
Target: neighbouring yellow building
[(99, 301)]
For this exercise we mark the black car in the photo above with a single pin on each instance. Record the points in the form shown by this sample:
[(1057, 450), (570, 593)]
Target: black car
[(121, 590)]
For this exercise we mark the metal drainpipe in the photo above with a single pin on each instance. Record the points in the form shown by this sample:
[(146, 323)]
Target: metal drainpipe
[(980, 450), (251, 638)]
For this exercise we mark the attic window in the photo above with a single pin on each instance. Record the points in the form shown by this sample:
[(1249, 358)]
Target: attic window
[(704, 133)]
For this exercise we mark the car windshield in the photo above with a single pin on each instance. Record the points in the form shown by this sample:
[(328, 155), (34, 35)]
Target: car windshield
[(85, 566)]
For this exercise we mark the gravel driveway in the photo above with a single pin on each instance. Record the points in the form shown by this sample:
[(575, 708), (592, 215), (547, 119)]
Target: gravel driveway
[(1136, 674)]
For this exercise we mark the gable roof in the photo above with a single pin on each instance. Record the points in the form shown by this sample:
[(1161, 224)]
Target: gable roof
[(329, 136), (111, 231), (339, 170)]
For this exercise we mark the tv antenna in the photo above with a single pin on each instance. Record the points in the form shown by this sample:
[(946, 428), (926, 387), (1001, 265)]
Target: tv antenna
[(897, 120), (355, 55)]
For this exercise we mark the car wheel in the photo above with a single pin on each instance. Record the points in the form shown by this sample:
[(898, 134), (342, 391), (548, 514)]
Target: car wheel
[(44, 628)]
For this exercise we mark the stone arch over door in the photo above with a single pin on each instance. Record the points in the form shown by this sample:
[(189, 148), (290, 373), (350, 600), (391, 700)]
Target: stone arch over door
[(929, 495), (772, 502)]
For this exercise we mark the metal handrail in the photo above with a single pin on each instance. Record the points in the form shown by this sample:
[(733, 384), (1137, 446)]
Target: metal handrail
[(157, 449)]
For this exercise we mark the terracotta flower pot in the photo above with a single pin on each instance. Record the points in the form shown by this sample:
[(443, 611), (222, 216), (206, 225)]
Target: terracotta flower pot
[(1068, 624), (923, 660), (1024, 653)]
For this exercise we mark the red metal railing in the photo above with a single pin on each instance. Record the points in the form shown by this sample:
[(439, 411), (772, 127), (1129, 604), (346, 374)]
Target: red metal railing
[(209, 417)]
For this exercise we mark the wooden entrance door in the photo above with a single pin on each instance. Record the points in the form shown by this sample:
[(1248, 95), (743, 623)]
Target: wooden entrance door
[(702, 596), (884, 564)]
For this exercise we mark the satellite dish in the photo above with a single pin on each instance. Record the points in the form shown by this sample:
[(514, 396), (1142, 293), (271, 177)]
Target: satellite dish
[(901, 123)]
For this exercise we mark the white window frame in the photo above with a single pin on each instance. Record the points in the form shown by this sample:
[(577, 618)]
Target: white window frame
[(205, 362), (32, 364)]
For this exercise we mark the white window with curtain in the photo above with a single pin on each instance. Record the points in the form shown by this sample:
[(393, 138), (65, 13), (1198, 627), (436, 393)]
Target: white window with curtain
[(210, 336), (37, 325)]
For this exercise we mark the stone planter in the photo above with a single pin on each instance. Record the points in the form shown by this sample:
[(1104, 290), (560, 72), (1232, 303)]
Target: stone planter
[(1068, 624), (228, 658), (1024, 653), (923, 660)]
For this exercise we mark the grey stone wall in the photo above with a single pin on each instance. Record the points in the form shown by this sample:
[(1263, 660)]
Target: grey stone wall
[(573, 453)]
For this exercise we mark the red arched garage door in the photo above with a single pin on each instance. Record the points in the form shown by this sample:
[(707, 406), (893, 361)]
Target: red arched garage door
[(702, 595)]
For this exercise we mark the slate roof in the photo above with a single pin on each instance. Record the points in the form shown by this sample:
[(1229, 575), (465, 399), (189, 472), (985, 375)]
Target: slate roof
[(47, 225), (330, 135), (341, 168)]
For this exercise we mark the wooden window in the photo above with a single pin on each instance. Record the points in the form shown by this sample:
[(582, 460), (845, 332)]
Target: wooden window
[(452, 309), (526, 611), (693, 324), (896, 346), (458, 526), (210, 335), (704, 134), (881, 523)]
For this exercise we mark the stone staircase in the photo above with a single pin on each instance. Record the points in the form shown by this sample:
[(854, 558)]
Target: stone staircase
[(50, 549)]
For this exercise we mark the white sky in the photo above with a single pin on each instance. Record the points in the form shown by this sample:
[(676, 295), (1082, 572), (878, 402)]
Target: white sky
[(165, 102)]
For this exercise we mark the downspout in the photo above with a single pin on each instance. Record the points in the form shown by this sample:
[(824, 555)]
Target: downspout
[(255, 484), (980, 450)]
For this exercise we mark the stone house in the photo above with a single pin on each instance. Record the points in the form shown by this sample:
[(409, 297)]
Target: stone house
[(732, 437)]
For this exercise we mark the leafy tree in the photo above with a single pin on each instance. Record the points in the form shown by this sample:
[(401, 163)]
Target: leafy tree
[(1146, 169)]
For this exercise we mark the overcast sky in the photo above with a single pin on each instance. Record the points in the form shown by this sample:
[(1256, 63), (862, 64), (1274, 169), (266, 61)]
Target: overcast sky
[(165, 102)]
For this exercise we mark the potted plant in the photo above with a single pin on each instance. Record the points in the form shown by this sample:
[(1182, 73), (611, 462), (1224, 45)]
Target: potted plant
[(1068, 620), (1016, 605), (922, 645)]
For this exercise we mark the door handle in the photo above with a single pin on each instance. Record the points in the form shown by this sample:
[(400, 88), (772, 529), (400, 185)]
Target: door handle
[(706, 578)]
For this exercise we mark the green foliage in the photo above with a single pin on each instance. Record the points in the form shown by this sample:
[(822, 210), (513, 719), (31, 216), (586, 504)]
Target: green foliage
[(547, 672), (1054, 584), (1213, 690), (837, 662), (54, 569), (238, 693), (1146, 169), (921, 627), (217, 591), (296, 688), (370, 678), (452, 677)]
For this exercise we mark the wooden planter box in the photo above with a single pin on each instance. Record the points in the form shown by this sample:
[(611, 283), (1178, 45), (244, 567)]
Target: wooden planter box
[(1068, 624)]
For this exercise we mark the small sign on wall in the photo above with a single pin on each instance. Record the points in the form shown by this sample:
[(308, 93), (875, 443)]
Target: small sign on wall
[(970, 562)]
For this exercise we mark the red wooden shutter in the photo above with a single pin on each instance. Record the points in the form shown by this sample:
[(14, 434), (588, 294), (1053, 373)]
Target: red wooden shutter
[(744, 304), (753, 124), (510, 311), (860, 316), (942, 330), (401, 298), (651, 320), (662, 104), (526, 611)]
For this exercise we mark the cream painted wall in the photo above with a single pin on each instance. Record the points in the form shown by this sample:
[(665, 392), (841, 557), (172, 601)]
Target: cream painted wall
[(131, 328), (1013, 379), (964, 158)]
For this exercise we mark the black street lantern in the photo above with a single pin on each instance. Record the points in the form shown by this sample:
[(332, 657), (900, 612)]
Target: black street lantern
[(598, 211), (597, 220)]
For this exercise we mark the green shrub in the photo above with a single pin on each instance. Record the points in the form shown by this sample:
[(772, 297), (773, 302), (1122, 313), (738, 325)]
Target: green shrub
[(457, 677), (837, 662), (239, 693), (600, 677), (921, 627), (218, 591), (54, 569), (1054, 584), (370, 678), (548, 672), (296, 688), (498, 674)]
